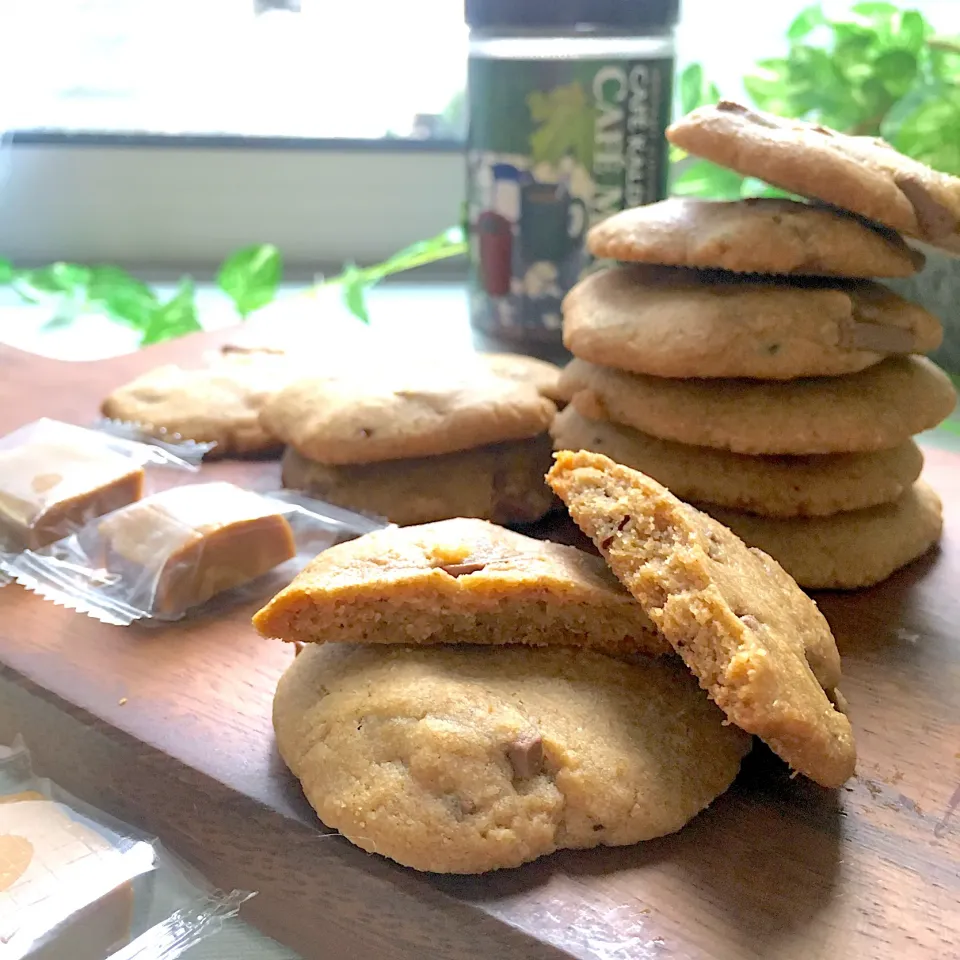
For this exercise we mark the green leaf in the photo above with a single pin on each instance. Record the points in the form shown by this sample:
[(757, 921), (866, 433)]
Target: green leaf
[(805, 23), (121, 297), (704, 179), (897, 71), (913, 31), (6, 271), (354, 284), (176, 317), (752, 187), (691, 88), (251, 276), (57, 280)]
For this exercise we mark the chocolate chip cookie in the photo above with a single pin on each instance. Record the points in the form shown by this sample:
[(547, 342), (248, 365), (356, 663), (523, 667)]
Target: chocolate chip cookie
[(759, 235), (502, 482), (861, 174), (772, 486), (876, 409), (367, 419), (675, 322), (469, 759), (847, 550), (463, 581)]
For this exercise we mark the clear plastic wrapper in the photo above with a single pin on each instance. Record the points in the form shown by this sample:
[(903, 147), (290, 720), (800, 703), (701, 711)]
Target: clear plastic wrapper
[(77, 884), (185, 548), (55, 476)]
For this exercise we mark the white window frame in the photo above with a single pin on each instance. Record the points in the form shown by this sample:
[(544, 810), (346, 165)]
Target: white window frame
[(186, 203)]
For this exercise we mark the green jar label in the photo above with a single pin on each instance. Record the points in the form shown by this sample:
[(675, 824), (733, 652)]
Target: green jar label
[(554, 147)]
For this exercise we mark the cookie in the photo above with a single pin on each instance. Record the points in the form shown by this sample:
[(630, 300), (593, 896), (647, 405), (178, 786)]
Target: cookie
[(502, 482), (676, 322), (877, 409), (760, 235), (366, 419), (219, 404), (757, 643), (514, 366), (848, 550), (861, 174), (459, 581), (772, 486), (469, 759)]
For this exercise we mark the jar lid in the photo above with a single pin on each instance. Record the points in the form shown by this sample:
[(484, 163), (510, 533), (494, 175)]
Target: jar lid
[(571, 13)]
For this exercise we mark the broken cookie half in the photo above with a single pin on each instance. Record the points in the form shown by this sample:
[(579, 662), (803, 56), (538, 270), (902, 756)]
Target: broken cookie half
[(757, 643), (462, 580)]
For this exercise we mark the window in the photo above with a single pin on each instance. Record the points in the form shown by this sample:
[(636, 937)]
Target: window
[(170, 132)]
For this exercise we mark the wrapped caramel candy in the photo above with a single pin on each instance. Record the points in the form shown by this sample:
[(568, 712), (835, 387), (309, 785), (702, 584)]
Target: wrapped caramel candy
[(170, 552), (54, 477)]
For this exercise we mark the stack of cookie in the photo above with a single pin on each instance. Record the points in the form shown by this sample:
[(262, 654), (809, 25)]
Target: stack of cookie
[(466, 698), (419, 445), (741, 354)]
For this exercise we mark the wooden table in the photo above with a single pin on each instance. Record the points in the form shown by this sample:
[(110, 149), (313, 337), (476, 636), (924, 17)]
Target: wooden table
[(777, 868)]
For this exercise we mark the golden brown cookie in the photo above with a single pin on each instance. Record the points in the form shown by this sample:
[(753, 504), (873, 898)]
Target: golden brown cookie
[(502, 482), (757, 643), (367, 419), (877, 409), (861, 174), (459, 581), (847, 550), (772, 486), (218, 404), (468, 759), (676, 322), (759, 235)]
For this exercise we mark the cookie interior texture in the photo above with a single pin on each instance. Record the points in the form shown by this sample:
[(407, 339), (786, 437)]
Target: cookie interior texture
[(675, 322), (469, 759), (757, 643), (459, 580), (773, 486), (502, 482), (848, 550), (876, 409), (759, 235), (861, 174)]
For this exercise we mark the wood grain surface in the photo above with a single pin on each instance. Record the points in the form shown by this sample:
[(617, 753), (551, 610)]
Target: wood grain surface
[(777, 868)]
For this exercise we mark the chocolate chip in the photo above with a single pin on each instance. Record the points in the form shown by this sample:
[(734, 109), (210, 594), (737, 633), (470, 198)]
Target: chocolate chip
[(526, 756), (826, 131), (880, 338), (623, 522), (366, 432), (750, 621), (597, 827), (462, 569), (935, 220), (772, 349), (606, 544)]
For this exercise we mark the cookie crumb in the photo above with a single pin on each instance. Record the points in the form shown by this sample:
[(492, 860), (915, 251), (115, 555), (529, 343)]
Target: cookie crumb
[(526, 756), (122, 701)]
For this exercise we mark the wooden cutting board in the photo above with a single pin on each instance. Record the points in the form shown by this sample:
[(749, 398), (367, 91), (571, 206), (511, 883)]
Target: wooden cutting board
[(169, 727)]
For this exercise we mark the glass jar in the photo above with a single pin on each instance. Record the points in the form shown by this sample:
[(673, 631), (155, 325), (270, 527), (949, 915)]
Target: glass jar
[(568, 101)]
